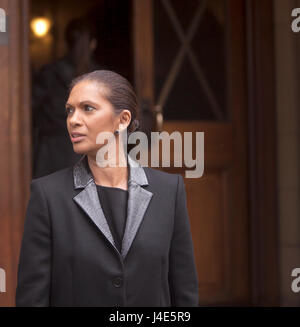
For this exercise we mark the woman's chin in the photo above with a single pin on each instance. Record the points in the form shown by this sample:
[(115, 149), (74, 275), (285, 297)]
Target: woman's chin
[(84, 149), (80, 148)]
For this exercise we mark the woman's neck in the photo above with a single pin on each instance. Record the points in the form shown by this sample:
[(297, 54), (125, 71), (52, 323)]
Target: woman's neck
[(109, 176)]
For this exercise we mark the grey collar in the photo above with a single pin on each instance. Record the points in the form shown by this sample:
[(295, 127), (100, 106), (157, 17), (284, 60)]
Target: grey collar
[(83, 176)]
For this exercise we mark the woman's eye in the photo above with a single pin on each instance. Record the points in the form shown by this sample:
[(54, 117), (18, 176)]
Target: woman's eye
[(88, 108), (69, 110)]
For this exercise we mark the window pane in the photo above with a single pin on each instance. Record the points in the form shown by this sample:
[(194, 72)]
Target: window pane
[(197, 88)]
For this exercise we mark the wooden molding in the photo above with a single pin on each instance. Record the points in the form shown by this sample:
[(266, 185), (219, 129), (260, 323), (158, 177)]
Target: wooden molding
[(15, 140), (262, 153)]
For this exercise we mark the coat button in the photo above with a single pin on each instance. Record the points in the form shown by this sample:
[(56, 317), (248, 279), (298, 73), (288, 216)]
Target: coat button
[(117, 282)]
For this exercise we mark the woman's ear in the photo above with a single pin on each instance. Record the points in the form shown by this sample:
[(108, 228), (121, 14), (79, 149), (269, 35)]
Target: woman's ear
[(125, 119)]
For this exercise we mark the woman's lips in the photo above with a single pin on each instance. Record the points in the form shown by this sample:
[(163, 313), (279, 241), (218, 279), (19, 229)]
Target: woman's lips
[(76, 137)]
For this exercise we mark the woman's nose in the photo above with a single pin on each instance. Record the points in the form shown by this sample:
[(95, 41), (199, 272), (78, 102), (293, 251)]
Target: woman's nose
[(75, 118)]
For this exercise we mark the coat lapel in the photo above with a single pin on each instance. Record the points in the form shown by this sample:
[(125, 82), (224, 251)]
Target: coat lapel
[(88, 199), (138, 201), (89, 202)]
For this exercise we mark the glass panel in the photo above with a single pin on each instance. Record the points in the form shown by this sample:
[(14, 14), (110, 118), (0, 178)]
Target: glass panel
[(190, 82), (185, 10), (187, 100)]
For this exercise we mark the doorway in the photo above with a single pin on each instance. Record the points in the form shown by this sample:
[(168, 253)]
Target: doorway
[(229, 245), (68, 39)]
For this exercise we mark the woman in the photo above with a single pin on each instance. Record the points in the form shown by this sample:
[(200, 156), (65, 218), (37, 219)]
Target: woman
[(106, 236)]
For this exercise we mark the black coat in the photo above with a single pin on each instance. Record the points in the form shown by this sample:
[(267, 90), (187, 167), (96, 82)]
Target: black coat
[(68, 256)]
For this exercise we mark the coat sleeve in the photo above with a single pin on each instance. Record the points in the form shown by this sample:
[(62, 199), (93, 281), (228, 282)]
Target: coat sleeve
[(183, 280), (34, 271)]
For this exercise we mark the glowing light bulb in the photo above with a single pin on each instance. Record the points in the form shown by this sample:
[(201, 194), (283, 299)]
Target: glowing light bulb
[(40, 26)]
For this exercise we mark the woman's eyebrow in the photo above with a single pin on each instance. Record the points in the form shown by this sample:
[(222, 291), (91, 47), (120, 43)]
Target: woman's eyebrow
[(87, 102), (82, 103), (68, 105)]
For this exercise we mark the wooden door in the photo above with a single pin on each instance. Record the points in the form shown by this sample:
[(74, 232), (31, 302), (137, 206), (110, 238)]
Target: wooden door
[(190, 74), (15, 142)]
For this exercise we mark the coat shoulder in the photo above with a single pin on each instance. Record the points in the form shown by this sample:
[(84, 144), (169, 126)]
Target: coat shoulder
[(161, 178), (57, 180)]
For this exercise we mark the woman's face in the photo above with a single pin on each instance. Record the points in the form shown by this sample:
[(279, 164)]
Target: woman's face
[(89, 113)]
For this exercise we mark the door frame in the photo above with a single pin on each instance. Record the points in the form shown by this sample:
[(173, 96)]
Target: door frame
[(262, 149), (15, 140)]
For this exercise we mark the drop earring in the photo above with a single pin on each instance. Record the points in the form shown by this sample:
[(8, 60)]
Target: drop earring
[(116, 132)]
